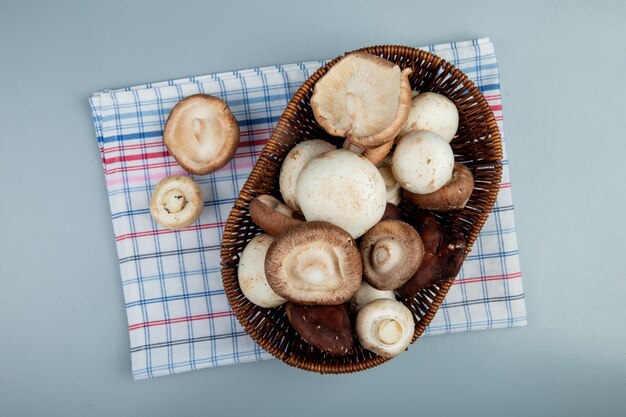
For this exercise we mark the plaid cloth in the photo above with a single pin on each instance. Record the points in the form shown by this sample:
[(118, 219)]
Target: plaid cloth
[(178, 316)]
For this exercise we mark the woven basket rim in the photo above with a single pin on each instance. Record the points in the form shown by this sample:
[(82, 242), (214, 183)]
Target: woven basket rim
[(437, 294)]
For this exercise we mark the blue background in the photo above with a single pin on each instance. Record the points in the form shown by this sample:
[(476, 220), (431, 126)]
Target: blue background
[(63, 335)]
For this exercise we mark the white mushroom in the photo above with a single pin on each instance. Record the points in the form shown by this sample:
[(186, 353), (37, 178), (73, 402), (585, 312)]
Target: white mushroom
[(177, 202), (251, 273), (394, 192), (344, 189), (201, 133), (367, 294), (364, 98), (422, 162), (385, 327), (295, 160), (432, 112)]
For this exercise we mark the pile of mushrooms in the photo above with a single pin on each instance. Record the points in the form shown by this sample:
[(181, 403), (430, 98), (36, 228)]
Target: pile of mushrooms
[(334, 247), (202, 134)]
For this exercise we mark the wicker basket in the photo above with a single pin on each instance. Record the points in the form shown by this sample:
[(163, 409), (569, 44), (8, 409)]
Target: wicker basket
[(477, 145)]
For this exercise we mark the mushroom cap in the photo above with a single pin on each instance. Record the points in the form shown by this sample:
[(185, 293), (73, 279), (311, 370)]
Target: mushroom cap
[(445, 263), (201, 133), (391, 252), (251, 273), (177, 202), (314, 263), (342, 188), (432, 235), (452, 196), (366, 294), (271, 215), (363, 97), (432, 112), (296, 159), (394, 195), (392, 212), (422, 162), (385, 327), (328, 328)]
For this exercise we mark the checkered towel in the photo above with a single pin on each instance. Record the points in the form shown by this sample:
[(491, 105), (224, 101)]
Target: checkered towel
[(178, 316)]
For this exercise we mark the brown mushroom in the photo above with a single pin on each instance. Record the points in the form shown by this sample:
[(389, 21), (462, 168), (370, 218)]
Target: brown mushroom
[(364, 98), (391, 252), (271, 215), (177, 202), (328, 328), (452, 196), (201, 133), (314, 263), (429, 230), (392, 212), (436, 267)]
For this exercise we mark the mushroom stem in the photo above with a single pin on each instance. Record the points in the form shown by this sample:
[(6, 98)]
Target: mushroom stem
[(386, 255), (174, 201), (389, 331), (314, 266)]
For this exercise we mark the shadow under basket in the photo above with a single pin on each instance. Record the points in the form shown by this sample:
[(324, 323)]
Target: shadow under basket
[(477, 144)]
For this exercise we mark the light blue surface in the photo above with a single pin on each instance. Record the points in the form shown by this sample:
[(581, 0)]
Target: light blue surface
[(64, 342)]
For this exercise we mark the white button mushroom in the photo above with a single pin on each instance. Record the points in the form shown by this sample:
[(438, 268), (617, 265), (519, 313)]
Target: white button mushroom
[(344, 189), (432, 112), (367, 294), (295, 160), (422, 162), (394, 195), (251, 273), (177, 202), (385, 327)]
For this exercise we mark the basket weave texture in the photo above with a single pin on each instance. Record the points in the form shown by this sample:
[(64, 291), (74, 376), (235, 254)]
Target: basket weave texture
[(477, 144)]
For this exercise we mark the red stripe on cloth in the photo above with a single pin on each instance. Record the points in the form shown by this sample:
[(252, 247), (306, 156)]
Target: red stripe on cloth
[(180, 320), (487, 278), (164, 154), (505, 185), (168, 231), (121, 148), (135, 157)]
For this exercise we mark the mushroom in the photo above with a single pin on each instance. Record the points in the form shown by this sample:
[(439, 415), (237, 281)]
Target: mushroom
[(444, 264), (271, 215), (177, 202), (328, 328), (392, 212), (385, 327), (452, 196), (344, 189), (422, 162), (391, 252), (366, 293), (364, 98), (251, 273), (374, 155), (392, 186), (201, 133), (432, 112), (314, 263), (296, 159), (429, 230)]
